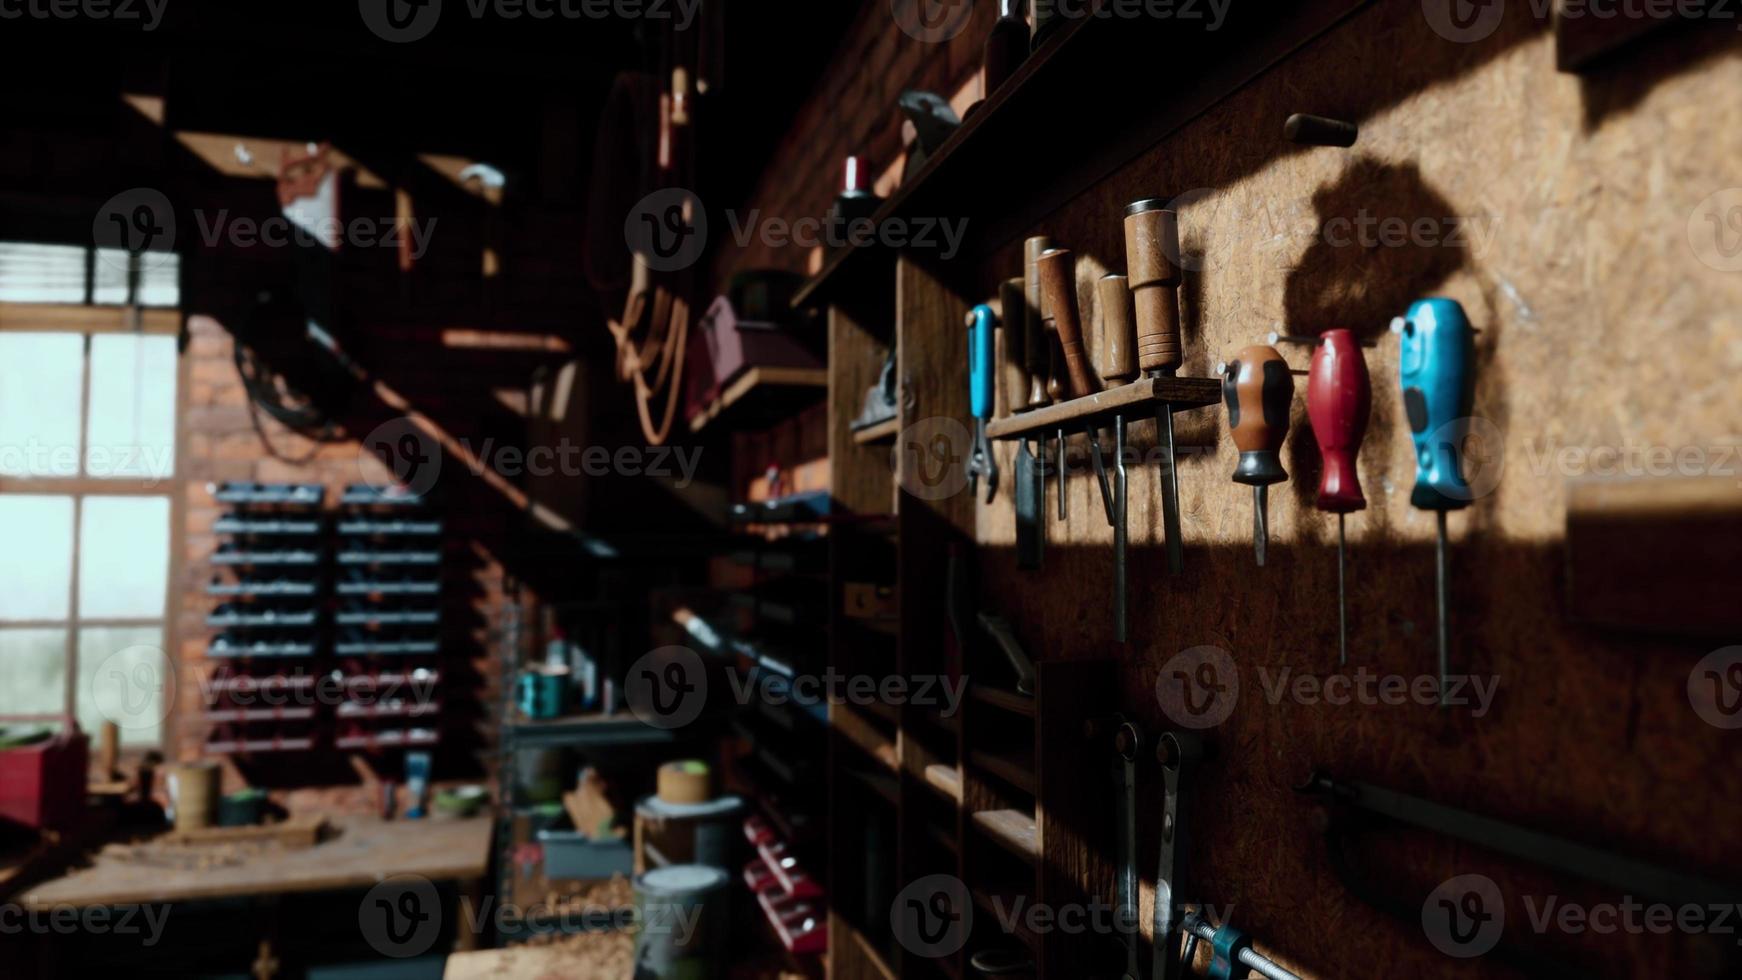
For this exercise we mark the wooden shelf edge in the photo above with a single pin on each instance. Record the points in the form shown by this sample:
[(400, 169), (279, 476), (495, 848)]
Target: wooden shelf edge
[(881, 432), (1013, 830), (1134, 401), (751, 379), (997, 697), (1015, 89), (946, 780), (1006, 770)]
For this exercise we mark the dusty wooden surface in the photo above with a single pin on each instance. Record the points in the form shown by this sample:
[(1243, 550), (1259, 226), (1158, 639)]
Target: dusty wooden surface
[(365, 852), (1566, 214)]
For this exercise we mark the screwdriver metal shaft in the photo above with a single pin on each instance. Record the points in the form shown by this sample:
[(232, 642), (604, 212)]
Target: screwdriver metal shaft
[(1119, 529), (1260, 521), (1176, 560), (1342, 596), (1445, 630)]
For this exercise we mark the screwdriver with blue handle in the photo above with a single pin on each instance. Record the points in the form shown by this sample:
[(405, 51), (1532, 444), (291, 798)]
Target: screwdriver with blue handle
[(1437, 365), (982, 323)]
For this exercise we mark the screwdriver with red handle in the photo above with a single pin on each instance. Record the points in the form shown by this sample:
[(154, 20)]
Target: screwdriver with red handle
[(1339, 402), (1258, 391)]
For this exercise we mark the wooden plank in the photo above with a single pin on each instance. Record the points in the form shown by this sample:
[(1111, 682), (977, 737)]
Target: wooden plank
[(760, 383), (1136, 401), (1013, 830), (1019, 774), (1087, 138), (997, 697), (879, 433), (364, 852), (946, 780), (295, 832), (55, 317), (1656, 555)]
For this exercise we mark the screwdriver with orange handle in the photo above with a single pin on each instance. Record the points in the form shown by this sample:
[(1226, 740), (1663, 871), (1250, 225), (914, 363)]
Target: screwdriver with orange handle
[(1258, 391), (1339, 402)]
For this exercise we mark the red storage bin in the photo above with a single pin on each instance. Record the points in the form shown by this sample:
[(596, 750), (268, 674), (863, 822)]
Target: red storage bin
[(43, 785)]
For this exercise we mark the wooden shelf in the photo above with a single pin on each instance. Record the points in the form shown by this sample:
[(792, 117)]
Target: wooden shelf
[(1093, 128), (1015, 773), (881, 432), (762, 394), (946, 780), (1136, 401), (1013, 830), (882, 784), (997, 697)]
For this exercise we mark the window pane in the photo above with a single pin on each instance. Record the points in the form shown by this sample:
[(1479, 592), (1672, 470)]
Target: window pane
[(36, 564), (40, 379), (36, 273), (33, 671), (123, 557), (124, 678), (159, 278), (132, 427)]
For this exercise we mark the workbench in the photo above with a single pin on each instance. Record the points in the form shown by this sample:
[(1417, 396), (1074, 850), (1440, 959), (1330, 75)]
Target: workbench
[(358, 853), (363, 852)]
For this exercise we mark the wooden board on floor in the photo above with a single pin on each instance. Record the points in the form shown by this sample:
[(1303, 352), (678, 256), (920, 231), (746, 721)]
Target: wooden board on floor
[(364, 852)]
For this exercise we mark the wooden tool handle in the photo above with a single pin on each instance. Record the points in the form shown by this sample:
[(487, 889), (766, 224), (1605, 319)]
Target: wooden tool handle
[(1118, 330), (1036, 349), (1259, 391), (1014, 321), (1152, 254), (1058, 287)]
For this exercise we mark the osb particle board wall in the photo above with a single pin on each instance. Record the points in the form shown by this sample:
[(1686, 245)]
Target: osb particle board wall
[(1571, 200)]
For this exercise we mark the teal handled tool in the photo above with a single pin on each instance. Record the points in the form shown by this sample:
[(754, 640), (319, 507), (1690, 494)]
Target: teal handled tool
[(982, 323), (1437, 366)]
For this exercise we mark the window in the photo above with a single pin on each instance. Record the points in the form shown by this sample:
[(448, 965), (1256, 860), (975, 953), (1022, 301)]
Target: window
[(87, 461)]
